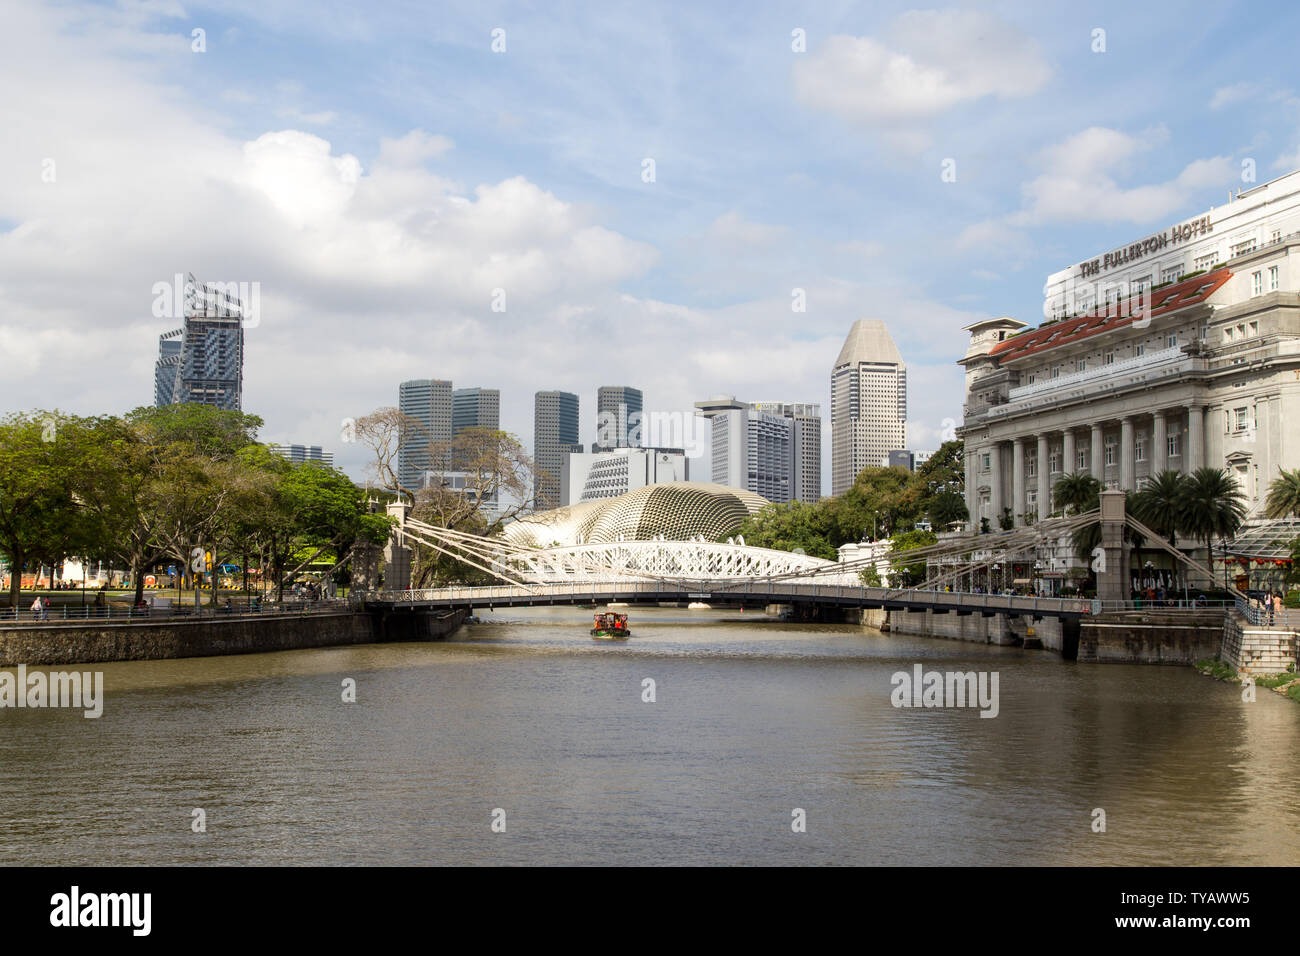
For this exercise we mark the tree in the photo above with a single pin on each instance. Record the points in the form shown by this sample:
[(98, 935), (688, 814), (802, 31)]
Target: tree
[(1077, 491), (1162, 504), (1215, 506), (913, 573), (945, 508), (794, 525), (386, 431), (1283, 495)]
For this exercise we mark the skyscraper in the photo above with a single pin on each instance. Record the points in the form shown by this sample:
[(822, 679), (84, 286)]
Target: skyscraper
[(618, 417), (475, 408), (555, 434), (203, 360), (770, 448), (805, 447), (429, 402), (868, 402)]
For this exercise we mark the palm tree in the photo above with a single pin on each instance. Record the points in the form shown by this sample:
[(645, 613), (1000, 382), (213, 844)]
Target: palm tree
[(1283, 495), (1078, 490), (1215, 506), (1162, 504)]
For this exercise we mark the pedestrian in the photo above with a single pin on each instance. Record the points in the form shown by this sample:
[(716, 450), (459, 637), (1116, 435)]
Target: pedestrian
[(1274, 602), (36, 608)]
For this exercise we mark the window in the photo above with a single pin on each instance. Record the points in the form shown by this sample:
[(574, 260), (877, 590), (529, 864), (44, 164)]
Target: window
[(1142, 348), (1241, 331), (1275, 236), (1054, 463), (1140, 448), (1109, 358), (1227, 334), (1110, 453), (1173, 446), (1031, 499), (1083, 365), (1082, 456), (986, 461), (1256, 283), (1272, 279), (1205, 262), (1240, 419), (1170, 273), (1242, 248), (1142, 284), (1254, 328), (1171, 340), (1057, 370), (1031, 464)]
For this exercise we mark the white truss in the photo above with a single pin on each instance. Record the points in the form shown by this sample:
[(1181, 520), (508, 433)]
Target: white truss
[(667, 561)]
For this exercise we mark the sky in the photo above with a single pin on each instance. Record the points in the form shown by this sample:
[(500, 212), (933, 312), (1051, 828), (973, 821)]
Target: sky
[(645, 192)]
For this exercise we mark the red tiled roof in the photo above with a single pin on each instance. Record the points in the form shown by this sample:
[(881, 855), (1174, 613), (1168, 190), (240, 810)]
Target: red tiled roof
[(1067, 331)]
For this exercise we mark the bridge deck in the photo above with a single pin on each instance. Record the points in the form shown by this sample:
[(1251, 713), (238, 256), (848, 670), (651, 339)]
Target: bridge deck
[(751, 592)]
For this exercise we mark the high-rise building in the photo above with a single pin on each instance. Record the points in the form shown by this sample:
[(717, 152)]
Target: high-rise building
[(203, 360), (429, 402), (618, 417), (805, 447), (868, 402), (475, 408), (770, 448), (303, 453), (555, 434), (588, 476)]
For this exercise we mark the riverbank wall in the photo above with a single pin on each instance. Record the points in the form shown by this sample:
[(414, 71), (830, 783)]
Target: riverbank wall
[(51, 644), (1254, 650)]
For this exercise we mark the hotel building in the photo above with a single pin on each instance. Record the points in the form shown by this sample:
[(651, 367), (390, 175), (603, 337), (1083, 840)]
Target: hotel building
[(868, 402), (1179, 350)]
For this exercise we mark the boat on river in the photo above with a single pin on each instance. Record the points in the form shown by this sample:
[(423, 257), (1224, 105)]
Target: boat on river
[(610, 627)]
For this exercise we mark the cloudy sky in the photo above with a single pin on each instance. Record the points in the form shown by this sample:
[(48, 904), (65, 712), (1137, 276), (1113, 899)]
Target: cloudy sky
[(381, 170)]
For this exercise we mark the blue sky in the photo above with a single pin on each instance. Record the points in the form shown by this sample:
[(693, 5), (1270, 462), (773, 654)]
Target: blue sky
[(380, 170)]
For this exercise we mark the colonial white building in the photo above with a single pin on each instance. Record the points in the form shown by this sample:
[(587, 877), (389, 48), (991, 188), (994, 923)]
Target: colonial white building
[(1176, 351)]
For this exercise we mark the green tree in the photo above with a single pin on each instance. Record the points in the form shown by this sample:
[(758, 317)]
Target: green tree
[(1215, 506), (40, 515), (1077, 491), (1162, 504), (913, 573), (794, 525), (1284, 495)]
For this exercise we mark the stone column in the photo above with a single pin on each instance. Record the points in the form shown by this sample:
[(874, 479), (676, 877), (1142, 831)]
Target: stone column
[(1195, 438), (972, 488), (1098, 455), (1159, 443), (1108, 562), (1018, 480), (1068, 452), (1044, 480), (1127, 469), (995, 486)]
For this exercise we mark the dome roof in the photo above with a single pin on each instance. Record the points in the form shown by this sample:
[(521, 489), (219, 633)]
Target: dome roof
[(678, 510)]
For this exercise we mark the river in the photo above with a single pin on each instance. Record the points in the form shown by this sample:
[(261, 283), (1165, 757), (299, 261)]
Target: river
[(752, 720)]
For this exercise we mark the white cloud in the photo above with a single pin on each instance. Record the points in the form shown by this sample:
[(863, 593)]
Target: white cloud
[(1235, 93), (731, 228), (927, 62)]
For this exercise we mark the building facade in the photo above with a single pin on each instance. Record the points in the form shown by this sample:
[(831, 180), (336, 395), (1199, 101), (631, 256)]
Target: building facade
[(1174, 352), (618, 416), (555, 435), (475, 408), (203, 360), (429, 402), (303, 453), (868, 402), (588, 476), (772, 449)]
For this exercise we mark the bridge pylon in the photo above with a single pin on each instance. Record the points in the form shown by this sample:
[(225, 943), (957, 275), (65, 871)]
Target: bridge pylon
[(397, 554)]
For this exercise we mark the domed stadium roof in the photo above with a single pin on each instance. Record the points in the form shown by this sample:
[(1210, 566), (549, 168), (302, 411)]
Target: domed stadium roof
[(678, 510)]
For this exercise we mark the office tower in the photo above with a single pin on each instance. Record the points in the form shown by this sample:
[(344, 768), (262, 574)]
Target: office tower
[(475, 408), (618, 417), (555, 434), (760, 448), (587, 476), (303, 453), (203, 360), (805, 447), (868, 402), (429, 402)]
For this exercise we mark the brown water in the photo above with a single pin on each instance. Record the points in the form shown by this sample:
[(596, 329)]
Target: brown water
[(752, 719)]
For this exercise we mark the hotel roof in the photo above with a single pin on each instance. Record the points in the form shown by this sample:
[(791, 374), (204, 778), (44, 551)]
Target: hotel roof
[(1069, 331)]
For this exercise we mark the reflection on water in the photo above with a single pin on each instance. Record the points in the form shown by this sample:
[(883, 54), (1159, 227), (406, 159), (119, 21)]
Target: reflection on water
[(752, 719)]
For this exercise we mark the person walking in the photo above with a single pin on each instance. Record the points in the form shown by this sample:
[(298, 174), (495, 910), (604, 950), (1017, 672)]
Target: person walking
[(1275, 607), (36, 608)]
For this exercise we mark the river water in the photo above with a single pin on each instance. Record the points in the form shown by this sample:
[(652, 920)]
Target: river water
[(752, 719)]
